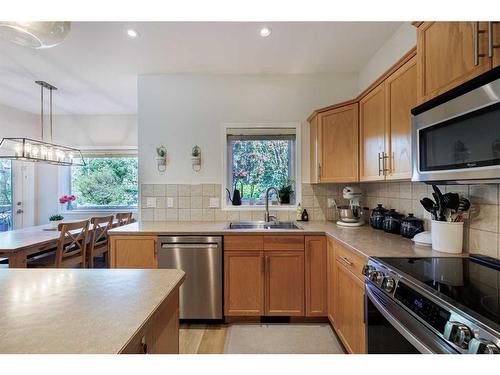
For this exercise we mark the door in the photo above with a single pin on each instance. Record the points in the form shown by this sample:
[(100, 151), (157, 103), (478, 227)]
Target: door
[(372, 134), (349, 309), (284, 285), (316, 276), (447, 55), (338, 129), (133, 252), (495, 43), (401, 97), (243, 283), (331, 275)]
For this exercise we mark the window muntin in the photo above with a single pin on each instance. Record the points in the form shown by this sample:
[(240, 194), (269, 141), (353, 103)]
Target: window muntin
[(260, 161), (109, 182), (5, 195)]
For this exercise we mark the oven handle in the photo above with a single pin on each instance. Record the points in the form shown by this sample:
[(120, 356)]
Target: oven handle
[(409, 327)]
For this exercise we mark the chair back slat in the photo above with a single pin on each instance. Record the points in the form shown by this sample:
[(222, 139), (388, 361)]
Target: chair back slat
[(124, 218), (99, 230), (72, 241)]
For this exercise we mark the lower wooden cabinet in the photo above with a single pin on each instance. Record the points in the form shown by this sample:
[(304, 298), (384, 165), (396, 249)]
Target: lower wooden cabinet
[(316, 275), (331, 282), (244, 283), (133, 252), (284, 283)]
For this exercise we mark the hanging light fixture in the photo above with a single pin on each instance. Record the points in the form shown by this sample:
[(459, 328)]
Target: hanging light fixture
[(39, 34), (28, 149)]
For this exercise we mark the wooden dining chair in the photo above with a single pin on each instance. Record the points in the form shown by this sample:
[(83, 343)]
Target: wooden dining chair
[(71, 248), (99, 242), (124, 218)]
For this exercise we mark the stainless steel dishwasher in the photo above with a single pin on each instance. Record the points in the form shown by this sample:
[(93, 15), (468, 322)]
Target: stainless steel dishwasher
[(201, 259)]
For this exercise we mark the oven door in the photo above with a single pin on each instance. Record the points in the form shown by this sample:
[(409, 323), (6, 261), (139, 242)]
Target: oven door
[(390, 329)]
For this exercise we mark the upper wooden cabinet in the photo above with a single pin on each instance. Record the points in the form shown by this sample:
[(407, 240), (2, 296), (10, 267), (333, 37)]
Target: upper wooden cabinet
[(450, 53), (495, 43), (316, 276), (401, 97), (338, 144), (372, 134)]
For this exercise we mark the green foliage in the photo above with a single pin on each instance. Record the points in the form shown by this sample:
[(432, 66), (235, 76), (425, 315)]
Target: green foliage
[(196, 151), (56, 217), (260, 164), (5, 182), (106, 182), (161, 151), (286, 188)]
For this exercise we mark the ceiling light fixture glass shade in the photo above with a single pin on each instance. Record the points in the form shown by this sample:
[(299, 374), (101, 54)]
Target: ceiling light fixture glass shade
[(28, 149), (35, 34)]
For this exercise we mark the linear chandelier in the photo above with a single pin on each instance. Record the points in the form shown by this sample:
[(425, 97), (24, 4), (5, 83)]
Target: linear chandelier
[(28, 149)]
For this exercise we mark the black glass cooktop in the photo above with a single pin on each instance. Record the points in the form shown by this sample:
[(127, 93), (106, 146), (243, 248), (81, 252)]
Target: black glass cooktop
[(472, 282)]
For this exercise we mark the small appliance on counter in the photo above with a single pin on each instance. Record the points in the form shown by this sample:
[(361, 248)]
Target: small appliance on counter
[(351, 215)]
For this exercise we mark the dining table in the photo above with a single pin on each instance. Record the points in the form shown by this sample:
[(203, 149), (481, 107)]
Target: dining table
[(18, 244)]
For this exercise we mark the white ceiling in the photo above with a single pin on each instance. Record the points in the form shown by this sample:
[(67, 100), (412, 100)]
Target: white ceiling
[(96, 67)]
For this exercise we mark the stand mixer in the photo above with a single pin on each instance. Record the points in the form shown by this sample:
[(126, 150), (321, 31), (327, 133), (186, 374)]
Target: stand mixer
[(352, 215)]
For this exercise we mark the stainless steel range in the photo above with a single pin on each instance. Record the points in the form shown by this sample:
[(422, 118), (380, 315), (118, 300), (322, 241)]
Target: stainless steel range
[(432, 305)]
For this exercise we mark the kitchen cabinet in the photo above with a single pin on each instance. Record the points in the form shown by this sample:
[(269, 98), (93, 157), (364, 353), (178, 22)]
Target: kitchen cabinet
[(372, 124), (385, 126), (495, 43), (401, 97), (349, 309), (313, 149), (330, 289), (284, 286), (336, 144), (264, 275), (244, 283), (450, 53), (316, 275), (133, 252)]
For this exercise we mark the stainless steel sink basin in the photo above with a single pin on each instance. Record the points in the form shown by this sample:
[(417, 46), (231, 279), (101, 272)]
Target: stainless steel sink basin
[(264, 225)]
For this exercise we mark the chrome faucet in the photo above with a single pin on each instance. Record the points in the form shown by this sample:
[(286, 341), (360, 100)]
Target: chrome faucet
[(268, 217)]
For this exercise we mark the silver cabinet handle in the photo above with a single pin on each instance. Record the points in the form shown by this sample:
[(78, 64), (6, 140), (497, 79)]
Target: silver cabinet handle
[(346, 261), (379, 169)]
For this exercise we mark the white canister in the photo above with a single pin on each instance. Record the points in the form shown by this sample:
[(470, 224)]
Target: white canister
[(447, 236)]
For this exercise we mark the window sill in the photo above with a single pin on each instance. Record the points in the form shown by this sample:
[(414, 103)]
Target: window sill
[(291, 207), (96, 211)]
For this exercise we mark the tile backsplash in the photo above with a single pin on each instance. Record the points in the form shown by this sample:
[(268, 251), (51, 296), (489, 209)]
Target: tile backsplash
[(192, 203)]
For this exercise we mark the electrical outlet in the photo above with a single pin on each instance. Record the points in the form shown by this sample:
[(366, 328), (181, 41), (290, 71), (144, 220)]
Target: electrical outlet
[(151, 202), (214, 203), (170, 202)]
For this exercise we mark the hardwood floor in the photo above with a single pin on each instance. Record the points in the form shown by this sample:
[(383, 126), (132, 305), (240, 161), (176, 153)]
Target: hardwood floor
[(202, 338)]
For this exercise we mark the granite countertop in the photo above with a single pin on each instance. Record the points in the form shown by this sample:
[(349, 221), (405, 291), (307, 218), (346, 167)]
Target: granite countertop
[(365, 240), (78, 311)]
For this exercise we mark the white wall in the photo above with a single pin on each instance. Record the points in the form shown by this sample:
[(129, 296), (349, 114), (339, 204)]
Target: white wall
[(404, 39), (16, 123), (180, 111)]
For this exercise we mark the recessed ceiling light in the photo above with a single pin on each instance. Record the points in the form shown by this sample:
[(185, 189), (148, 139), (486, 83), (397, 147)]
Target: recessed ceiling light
[(265, 32), (132, 33)]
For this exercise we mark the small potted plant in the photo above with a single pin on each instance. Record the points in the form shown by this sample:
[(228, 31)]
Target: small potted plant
[(161, 158), (285, 191), (196, 156), (55, 220)]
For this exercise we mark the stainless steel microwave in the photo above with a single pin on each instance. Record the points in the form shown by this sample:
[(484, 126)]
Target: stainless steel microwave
[(457, 139)]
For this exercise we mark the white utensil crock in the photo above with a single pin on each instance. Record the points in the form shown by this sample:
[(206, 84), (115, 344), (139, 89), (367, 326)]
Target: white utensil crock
[(447, 237)]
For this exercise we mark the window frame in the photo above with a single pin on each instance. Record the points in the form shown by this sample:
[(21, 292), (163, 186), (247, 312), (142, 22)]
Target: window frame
[(95, 152), (296, 163)]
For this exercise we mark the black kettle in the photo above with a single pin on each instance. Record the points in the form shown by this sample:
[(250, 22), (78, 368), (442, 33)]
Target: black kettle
[(236, 200)]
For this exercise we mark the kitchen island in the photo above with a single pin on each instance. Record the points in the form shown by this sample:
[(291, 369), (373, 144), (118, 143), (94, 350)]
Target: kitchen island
[(91, 311)]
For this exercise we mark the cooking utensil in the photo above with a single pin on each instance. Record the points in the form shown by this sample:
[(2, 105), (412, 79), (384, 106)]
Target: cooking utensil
[(429, 206), (438, 196), (451, 201), (464, 205)]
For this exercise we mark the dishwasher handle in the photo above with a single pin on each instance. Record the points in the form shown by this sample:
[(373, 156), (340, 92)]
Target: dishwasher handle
[(188, 246)]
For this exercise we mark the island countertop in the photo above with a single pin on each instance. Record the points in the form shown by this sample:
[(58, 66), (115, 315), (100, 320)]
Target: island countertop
[(78, 311), (365, 240)]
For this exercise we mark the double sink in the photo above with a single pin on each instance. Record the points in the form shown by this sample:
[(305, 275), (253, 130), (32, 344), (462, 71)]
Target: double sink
[(264, 225)]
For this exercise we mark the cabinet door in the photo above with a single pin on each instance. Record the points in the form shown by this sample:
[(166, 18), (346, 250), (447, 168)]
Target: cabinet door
[(284, 284), (330, 290), (339, 144), (496, 43), (133, 252), (243, 283), (445, 52), (316, 278), (372, 134), (349, 309), (401, 97), (314, 150)]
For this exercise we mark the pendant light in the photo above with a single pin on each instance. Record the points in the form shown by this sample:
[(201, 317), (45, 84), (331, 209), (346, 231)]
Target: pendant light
[(28, 149), (39, 34)]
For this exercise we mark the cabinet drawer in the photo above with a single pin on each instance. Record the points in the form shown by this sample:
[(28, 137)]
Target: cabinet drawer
[(284, 243), (237, 243), (351, 260)]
